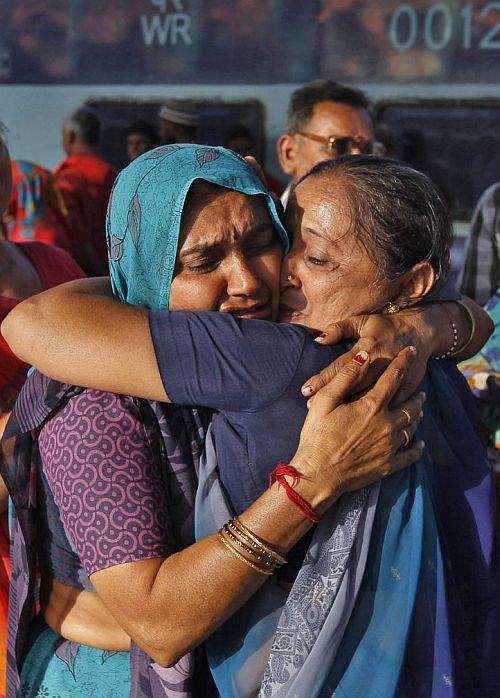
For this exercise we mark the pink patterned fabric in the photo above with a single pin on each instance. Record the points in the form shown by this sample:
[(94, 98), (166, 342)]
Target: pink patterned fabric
[(106, 484), (176, 436)]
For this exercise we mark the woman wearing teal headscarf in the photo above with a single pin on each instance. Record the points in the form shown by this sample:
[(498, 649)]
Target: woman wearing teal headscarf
[(115, 477)]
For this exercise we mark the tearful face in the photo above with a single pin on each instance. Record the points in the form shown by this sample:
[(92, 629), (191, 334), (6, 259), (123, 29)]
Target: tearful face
[(229, 255)]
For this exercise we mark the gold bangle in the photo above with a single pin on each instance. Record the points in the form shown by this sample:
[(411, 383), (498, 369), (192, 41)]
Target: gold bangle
[(263, 559), (255, 548), (242, 557), (279, 558), (472, 331)]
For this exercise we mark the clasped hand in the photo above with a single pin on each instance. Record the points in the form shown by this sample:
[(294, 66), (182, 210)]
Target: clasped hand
[(382, 337), (348, 443)]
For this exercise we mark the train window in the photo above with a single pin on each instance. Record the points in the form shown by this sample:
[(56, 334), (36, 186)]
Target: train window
[(217, 119), (455, 143), (156, 41), (249, 41), (410, 41)]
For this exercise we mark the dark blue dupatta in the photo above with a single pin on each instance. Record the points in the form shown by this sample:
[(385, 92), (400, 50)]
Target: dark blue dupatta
[(398, 595)]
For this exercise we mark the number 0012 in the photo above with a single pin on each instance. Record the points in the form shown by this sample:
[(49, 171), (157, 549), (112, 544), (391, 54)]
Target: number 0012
[(439, 24)]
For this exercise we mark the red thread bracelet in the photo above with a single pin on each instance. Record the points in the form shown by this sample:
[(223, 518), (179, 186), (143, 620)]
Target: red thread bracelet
[(280, 473)]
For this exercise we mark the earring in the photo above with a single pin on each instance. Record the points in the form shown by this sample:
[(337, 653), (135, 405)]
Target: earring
[(289, 277), (392, 308)]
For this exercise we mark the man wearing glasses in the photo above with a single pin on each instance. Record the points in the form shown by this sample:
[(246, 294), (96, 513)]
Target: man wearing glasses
[(325, 120)]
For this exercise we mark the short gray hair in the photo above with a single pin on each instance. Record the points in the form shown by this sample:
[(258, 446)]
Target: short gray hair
[(305, 98), (86, 125), (397, 213)]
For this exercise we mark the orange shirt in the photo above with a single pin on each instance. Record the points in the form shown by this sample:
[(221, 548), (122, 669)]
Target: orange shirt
[(36, 211), (85, 181)]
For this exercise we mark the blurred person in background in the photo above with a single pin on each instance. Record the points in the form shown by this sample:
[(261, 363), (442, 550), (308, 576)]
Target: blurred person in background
[(241, 141), (26, 268), (483, 376), (178, 122), (36, 210), (325, 119), (39, 35), (141, 137), (85, 180), (480, 276)]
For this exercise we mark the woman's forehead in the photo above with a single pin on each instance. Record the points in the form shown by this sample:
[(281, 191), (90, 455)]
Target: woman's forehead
[(216, 206), (202, 189), (321, 206), (202, 193), (326, 188)]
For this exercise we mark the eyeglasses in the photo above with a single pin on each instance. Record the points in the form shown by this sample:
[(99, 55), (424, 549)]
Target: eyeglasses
[(344, 145)]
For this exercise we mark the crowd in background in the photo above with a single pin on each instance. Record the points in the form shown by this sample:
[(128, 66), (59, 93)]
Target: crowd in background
[(53, 227)]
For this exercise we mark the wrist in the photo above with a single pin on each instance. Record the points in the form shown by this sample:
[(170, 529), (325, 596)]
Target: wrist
[(433, 320), (465, 321), (319, 493), (450, 330)]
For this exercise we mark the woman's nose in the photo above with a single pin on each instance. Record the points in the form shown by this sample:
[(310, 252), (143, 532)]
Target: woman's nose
[(242, 280)]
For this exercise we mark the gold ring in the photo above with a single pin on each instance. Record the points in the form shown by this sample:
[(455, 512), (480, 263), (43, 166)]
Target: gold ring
[(408, 416), (407, 439)]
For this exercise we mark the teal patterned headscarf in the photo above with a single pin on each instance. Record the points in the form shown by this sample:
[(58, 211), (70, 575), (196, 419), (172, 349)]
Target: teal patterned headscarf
[(145, 209)]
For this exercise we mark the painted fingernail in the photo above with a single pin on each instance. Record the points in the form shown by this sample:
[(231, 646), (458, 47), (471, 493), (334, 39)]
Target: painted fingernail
[(424, 396), (307, 390), (421, 415), (320, 338), (361, 357), (421, 445)]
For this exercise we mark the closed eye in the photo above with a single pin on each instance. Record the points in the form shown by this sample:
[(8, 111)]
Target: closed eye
[(202, 265), (318, 262)]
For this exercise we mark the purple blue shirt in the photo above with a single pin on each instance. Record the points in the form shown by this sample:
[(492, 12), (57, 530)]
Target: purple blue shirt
[(251, 373)]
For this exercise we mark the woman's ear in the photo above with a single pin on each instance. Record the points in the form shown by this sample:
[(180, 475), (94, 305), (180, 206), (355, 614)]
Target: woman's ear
[(416, 284)]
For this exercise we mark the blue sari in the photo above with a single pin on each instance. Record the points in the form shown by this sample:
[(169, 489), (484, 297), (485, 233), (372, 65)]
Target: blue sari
[(398, 594)]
